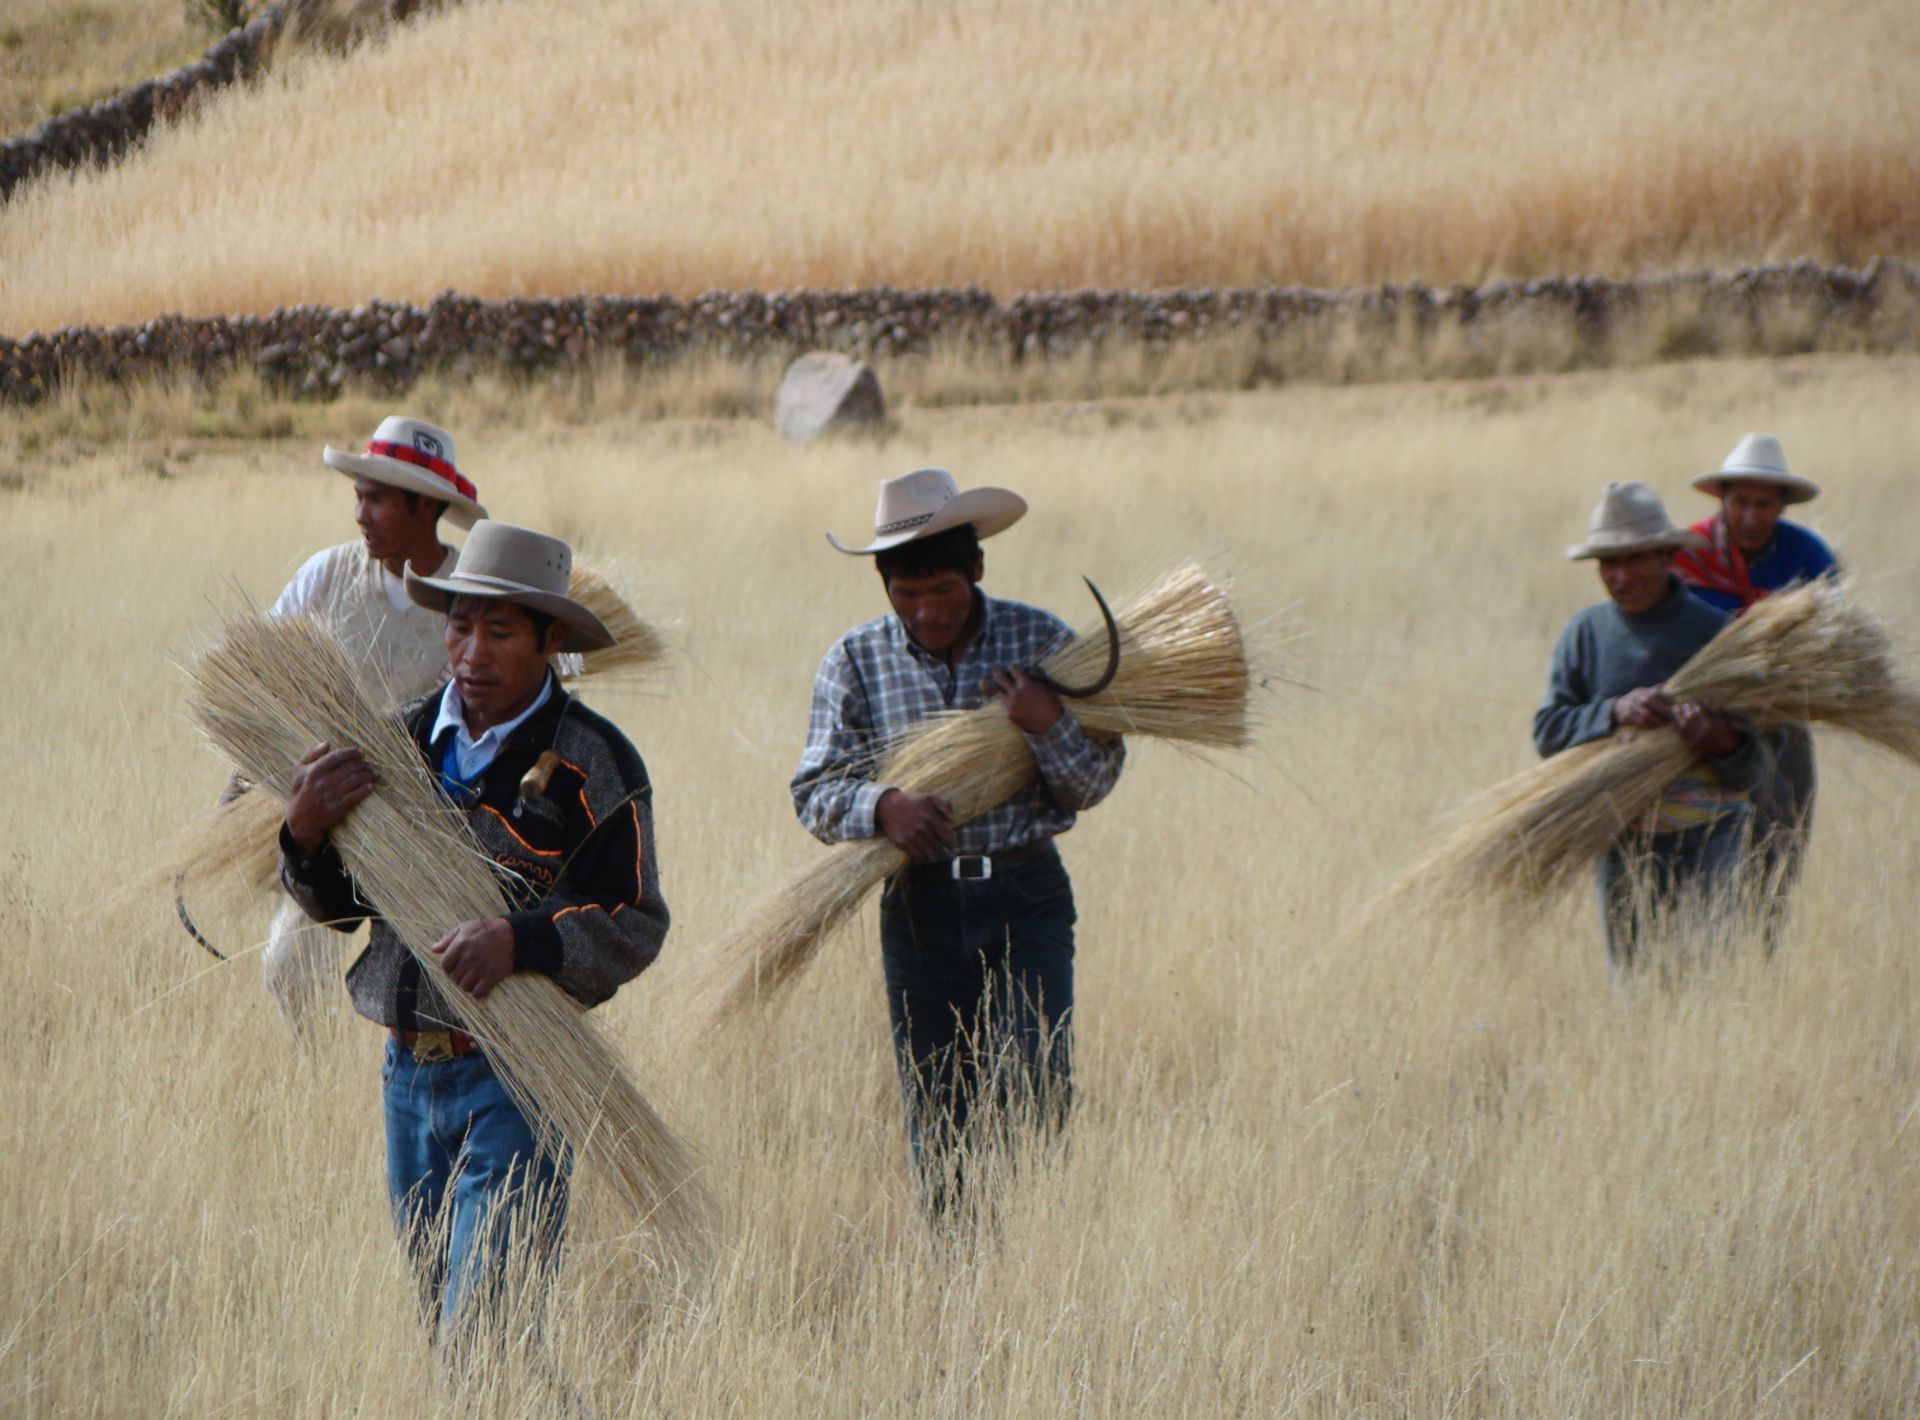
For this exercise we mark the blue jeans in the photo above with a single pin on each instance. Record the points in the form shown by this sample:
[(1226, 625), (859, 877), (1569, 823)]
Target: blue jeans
[(464, 1173), (980, 993)]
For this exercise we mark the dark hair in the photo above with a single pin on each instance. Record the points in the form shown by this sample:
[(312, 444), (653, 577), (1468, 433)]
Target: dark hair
[(955, 550), (414, 500), (467, 604)]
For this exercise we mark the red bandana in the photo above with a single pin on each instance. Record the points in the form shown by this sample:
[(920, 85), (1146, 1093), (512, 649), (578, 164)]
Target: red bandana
[(1720, 567), (438, 467)]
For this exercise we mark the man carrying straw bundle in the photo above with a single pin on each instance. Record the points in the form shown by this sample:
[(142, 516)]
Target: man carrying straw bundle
[(1751, 553), (560, 801), (1608, 667), (403, 483), (977, 933)]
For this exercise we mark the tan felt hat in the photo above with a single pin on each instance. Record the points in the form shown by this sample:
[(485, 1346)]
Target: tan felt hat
[(927, 501), (516, 565), (1758, 458), (1631, 518), (418, 457)]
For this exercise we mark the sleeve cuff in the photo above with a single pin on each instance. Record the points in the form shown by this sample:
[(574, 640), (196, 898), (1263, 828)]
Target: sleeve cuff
[(861, 821), (536, 943), (312, 867), (1596, 724), (1060, 737)]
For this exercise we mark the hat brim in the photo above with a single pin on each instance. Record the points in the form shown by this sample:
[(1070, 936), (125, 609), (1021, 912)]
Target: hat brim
[(990, 510), (1677, 539), (1793, 488), (462, 511), (585, 631)]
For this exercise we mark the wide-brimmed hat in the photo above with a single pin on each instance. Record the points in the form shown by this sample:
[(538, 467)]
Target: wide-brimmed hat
[(407, 453), (516, 565), (1631, 518), (927, 501), (1758, 458)]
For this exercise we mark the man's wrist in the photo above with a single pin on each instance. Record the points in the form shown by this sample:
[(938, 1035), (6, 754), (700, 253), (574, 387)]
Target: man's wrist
[(301, 847)]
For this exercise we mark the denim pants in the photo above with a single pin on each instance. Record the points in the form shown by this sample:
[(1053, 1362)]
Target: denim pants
[(980, 992), (465, 1173), (1643, 877)]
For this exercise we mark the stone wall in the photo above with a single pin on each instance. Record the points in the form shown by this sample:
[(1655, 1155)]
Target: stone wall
[(101, 132), (312, 351)]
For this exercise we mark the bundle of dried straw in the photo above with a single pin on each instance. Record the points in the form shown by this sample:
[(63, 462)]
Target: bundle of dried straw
[(1182, 677), (236, 844), (1810, 655), (272, 688), (637, 642)]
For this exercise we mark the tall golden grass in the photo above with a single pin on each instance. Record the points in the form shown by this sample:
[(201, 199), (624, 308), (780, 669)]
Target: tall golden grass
[(1438, 1169), (272, 687), (1016, 144)]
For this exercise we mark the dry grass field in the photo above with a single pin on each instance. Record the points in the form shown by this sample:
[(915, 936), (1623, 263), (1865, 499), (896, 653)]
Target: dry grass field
[(1436, 1168), (506, 149), (60, 54)]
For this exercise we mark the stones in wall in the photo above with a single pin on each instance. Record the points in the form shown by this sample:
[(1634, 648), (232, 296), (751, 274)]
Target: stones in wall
[(311, 351)]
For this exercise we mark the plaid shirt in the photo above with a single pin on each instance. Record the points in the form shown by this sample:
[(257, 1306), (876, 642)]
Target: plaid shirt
[(876, 683)]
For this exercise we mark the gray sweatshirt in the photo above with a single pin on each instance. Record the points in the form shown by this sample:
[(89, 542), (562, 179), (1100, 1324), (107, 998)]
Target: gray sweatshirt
[(1604, 652)]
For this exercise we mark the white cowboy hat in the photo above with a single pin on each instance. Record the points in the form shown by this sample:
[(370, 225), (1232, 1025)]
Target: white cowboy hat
[(415, 456), (1631, 518), (517, 565), (927, 501), (1758, 458)]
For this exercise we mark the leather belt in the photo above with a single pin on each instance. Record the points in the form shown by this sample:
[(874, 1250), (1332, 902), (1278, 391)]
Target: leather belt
[(975, 867), (429, 1046)]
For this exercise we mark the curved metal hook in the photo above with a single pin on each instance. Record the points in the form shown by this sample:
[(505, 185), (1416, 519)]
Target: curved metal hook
[(1081, 692), (186, 918)]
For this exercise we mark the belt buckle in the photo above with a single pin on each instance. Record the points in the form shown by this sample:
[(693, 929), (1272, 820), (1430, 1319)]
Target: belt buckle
[(960, 875), (432, 1046)]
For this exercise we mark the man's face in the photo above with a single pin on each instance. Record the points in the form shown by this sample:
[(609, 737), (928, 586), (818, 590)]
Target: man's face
[(1752, 509), (497, 659), (1637, 581), (934, 608), (387, 525)]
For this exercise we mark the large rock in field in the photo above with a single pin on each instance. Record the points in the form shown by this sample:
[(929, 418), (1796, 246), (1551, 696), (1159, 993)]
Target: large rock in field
[(825, 390)]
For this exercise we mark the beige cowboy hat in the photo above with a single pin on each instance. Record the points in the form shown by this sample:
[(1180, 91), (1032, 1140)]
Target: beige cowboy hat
[(516, 565), (1758, 458), (927, 501), (415, 456), (1631, 518)]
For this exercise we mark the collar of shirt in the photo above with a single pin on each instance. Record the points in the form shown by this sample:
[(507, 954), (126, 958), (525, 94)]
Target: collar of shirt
[(472, 756), (976, 647)]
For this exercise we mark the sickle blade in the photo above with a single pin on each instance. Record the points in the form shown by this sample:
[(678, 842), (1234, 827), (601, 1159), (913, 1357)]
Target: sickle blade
[(1081, 692), (186, 918)]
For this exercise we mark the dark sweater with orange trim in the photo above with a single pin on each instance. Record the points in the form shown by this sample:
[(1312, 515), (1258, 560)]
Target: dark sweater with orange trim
[(577, 862)]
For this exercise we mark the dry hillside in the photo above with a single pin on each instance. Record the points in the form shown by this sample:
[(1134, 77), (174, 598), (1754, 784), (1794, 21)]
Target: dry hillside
[(607, 145)]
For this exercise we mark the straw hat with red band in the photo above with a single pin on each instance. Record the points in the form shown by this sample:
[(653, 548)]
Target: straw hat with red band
[(417, 457)]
